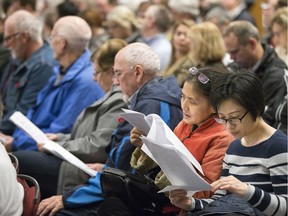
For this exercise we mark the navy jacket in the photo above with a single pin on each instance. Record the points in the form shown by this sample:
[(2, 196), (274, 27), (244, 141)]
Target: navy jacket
[(155, 96)]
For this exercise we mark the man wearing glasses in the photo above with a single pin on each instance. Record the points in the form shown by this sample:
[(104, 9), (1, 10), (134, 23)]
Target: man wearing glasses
[(135, 69), (23, 36), (242, 42)]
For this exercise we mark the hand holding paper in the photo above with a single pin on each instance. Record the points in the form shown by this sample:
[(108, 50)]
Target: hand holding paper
[(164, 147), (176, 167)]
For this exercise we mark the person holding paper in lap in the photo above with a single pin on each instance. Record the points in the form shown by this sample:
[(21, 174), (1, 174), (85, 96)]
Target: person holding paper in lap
[(254, 172), (135, 68), (198, 131)]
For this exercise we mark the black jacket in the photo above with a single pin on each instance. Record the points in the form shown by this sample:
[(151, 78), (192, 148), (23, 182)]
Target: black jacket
[(270, 70)]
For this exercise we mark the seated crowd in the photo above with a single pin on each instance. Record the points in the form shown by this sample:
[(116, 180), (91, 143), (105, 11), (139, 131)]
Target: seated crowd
[(205, 68)]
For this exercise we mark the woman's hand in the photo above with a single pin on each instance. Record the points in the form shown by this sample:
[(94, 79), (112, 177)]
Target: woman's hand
[(231, 184), (50, 206), (179, 198), (135, 135)]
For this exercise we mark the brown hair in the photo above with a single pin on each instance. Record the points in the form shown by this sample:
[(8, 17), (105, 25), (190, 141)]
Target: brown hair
[(106, 53)]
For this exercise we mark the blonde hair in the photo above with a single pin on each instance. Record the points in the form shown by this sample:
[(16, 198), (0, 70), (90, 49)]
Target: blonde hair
[(281, 18), (208, 44), (124, 16)]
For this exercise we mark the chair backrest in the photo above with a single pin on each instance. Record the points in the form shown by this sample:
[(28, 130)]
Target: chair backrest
[(14, 161), (31, 190), (31, 194)]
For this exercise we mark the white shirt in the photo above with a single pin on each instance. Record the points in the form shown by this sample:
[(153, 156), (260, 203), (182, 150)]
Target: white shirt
[(11, 192)]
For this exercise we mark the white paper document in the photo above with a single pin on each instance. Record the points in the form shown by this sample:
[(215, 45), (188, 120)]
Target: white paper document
[(177, 167), (138, 120), (164, 133), (173, 157), (35, 133)]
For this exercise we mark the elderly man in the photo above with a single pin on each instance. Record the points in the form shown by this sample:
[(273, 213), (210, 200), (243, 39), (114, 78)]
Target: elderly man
[(242, 43), (23, 36), (135, 69), (69, 90)]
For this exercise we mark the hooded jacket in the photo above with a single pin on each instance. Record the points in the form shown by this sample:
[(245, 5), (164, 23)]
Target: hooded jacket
[(149, 99)]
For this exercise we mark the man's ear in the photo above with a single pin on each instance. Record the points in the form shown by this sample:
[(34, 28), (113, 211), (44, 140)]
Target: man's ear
[(139, 72), (24, 36), (252, 43), (63, 44)]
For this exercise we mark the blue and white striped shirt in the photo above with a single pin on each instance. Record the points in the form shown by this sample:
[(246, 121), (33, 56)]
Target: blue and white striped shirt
[(264, 168)]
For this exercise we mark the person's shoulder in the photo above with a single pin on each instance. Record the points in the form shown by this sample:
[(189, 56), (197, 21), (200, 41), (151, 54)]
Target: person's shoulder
[(280, 137), (271, 61), (276, 144)]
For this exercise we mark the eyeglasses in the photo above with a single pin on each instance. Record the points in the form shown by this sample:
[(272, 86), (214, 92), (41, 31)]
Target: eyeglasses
[(9, 37), (233, 121), (201, 77), (118, 73)]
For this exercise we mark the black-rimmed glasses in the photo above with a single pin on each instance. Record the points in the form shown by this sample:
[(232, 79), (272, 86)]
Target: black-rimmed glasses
[(9, 37), (231, 120), (201, 77)]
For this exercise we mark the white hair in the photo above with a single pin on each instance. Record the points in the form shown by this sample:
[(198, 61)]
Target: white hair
[(142, 54), (24, 21), (76, 30)]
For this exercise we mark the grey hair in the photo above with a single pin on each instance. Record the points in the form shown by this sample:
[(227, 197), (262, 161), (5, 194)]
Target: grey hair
[(243, 30), (76, 31), (142, 54), (27, 22), (218, 12), (161, 15)]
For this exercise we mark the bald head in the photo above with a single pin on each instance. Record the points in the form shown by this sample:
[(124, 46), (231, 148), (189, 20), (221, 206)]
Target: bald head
[(76, 30)]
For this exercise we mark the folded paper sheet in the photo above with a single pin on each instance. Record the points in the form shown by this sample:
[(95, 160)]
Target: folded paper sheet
[(153, 123), (164, 147), (35, 133)]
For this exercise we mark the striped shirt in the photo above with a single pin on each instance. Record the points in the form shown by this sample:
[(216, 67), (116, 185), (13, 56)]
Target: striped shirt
[(264, 168)]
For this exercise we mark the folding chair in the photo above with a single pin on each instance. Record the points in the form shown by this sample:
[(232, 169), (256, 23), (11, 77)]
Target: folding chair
[(31, 194), (31, 190)]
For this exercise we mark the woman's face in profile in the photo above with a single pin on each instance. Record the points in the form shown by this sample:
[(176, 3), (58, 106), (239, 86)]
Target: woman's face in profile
[(103, 77), (196, 108)]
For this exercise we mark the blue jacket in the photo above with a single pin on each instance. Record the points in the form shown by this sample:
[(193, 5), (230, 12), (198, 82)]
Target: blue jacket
[(160, 96), (58, 106), (24, 85)]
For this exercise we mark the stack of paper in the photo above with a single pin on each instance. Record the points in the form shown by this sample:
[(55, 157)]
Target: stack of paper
[(164, 147)]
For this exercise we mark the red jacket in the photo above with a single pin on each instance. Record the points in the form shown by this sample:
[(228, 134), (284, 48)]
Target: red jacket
[(208, 144)]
